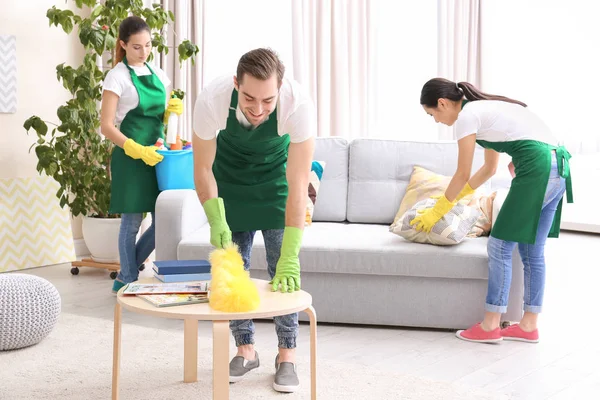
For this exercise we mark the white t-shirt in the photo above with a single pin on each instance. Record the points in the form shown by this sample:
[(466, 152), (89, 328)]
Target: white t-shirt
[(500, 121), (296, 113), (118, 80)]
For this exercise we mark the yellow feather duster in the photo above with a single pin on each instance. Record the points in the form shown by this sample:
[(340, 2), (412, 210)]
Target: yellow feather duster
[(231, 289)]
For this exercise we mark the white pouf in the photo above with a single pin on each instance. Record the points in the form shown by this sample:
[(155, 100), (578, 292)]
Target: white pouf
[(29, 310)]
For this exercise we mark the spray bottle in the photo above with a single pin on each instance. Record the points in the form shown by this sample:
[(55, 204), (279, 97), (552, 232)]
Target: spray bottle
[(172, 124)]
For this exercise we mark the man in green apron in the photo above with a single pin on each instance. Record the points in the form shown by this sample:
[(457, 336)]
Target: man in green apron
[(253, 175), (133, 104), (532, 209)]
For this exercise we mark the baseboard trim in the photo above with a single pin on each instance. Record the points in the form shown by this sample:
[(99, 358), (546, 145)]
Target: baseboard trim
[(579, 227), (80, 248)]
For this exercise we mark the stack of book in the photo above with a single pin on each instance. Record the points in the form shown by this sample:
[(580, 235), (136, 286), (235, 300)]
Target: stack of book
[(182, 270), (169, 294)]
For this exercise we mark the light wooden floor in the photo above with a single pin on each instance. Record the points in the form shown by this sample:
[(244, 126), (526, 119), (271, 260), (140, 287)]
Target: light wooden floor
[(562, 366)]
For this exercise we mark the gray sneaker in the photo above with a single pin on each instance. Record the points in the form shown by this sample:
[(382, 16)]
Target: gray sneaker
[(286, 377), (239, 366)]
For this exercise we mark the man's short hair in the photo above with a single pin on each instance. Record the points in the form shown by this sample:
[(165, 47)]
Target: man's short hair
[(262, 64)]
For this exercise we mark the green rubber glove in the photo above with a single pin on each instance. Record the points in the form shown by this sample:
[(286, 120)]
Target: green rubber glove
[(220, 234), (136, 151), (287, 271), (429, 217)]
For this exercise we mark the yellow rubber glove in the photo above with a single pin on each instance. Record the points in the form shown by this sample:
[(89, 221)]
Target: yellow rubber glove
[(174, 105), (467, 190), (429, 217), (136, 151)]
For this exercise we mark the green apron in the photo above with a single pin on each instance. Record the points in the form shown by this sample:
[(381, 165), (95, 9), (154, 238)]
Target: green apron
[(250, 169), (519, 216), (134, 187)]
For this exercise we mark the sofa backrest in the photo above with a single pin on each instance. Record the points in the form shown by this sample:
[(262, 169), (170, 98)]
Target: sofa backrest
[(333, 192), (380, 170)]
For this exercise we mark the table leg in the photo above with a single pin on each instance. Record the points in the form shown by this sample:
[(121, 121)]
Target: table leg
[(190, 350), (116, 352), (312, 315), (221, 360)]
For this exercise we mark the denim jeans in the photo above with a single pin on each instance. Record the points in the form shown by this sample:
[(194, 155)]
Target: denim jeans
[(131, 254), (500, 256), (286, 326)]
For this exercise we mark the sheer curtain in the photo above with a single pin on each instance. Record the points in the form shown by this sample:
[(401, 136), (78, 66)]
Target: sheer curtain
[(363, 61), (333, 58), (221, 30), (459, 45), (189, 24), (405, 48), (234, 27)]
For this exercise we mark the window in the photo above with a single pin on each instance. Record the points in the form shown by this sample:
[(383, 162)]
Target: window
[(543, 53), (405, 48), (234, 27)]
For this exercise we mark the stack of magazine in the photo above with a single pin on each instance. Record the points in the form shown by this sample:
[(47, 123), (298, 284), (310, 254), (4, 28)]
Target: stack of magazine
[(170, 294)]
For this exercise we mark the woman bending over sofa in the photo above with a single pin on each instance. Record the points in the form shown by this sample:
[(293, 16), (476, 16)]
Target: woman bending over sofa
[(532, 209)]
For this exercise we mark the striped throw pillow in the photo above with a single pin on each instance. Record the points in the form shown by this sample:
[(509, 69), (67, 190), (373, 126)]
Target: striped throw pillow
[(452, 229)]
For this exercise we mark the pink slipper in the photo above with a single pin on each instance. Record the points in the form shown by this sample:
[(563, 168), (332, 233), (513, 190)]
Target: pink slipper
[(514, 332), (477, 334)]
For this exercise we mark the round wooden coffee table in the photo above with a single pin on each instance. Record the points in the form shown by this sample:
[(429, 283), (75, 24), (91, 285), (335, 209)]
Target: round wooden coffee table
[(272, 304)]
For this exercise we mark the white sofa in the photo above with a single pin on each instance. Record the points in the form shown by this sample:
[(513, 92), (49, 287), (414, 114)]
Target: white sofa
[(356, 270)]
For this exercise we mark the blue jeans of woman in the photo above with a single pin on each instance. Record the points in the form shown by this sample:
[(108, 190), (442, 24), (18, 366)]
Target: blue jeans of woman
[(500, 256), (286, 326), (131, 254)]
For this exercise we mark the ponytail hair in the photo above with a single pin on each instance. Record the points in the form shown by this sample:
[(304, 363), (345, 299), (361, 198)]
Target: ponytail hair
[(440, 88), (119, 53), (129, 26)]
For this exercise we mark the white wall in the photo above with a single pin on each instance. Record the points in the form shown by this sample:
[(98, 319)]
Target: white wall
[(39, 49)]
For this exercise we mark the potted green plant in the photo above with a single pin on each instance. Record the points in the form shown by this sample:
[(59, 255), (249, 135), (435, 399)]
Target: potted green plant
[(73, 152)]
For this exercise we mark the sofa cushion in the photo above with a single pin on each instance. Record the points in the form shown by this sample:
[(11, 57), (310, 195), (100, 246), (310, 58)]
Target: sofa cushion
[(379, 171), (364, 249), (333, 192)]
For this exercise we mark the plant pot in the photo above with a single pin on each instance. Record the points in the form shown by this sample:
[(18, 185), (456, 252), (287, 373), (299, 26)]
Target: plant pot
[(101, 236)]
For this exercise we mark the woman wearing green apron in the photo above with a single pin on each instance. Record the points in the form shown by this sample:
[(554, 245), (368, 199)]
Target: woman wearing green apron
[(532, 209), (133, 106), (253, 175)]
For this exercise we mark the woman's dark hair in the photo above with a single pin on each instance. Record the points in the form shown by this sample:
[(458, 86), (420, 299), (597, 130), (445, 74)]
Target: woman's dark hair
[(440, 88), (129, 26)]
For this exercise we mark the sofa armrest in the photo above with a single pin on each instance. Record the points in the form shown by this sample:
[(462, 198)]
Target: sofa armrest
[(178, 213)]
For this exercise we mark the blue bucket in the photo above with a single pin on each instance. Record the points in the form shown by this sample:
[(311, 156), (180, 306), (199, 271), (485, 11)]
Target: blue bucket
[(176, 170)]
